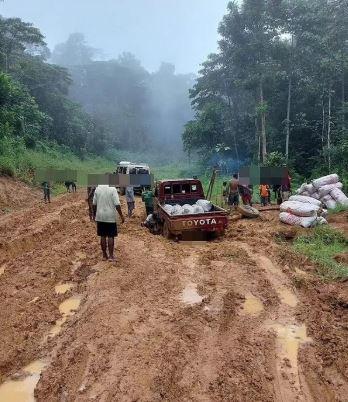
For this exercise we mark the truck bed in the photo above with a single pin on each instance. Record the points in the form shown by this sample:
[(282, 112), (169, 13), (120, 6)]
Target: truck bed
[(213, 221)]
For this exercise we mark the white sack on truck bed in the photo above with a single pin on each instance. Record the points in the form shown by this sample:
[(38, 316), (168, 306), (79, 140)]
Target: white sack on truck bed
[(299, 208), (187, 209), (177, 210), (323, 181), (205, 204), (339, 196), (294, 220), (305, 199), (197, 209), (325, 190), (168, 208)]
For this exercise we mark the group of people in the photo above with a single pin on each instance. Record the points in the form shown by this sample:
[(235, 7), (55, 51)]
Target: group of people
[(46, 188), (234, 190)]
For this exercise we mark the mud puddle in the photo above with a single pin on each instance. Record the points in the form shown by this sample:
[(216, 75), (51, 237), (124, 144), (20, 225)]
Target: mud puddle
[(190, 294), (287, 296), (22, 390), (67, 309), (252, 305), (289, 340), (63, 288)]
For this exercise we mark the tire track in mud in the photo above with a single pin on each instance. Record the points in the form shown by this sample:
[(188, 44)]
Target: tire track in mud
[(290, 382), (31, 236), (27, 287)]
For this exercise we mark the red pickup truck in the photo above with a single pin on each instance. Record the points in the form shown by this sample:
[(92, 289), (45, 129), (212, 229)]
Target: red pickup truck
[(186, 191)]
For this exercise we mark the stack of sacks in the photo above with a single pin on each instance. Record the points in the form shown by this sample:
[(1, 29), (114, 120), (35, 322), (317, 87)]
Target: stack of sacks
[(302, 211), (199, 207), (327, 189)]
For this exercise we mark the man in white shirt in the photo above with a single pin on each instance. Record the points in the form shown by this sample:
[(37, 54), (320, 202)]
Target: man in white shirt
[(105, 201)]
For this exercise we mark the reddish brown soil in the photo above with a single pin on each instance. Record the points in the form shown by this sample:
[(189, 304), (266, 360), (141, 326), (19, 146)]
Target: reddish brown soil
[(15, 195), (134, 339)]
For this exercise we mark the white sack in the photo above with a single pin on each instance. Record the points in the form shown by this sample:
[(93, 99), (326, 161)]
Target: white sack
[(299, 208), (315, 195), (309, 188), (329, 202), (305, 193), (177, 210), (324, 213), (205, 204), (197, 209), (339, 196), (325, 190), (323, 181), (305, 199), (187, 209), (294, 220), (168, 208), (301, 189), (321, 220)]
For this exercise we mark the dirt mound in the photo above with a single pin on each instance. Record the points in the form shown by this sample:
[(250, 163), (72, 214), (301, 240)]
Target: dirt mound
[(15, 195)]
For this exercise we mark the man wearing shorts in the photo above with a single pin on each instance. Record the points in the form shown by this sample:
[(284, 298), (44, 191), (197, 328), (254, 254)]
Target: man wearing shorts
[(105, 201), (233, 196)]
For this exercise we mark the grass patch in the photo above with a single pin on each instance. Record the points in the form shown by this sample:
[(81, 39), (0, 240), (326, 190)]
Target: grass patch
[(338, 209), (321, 246)]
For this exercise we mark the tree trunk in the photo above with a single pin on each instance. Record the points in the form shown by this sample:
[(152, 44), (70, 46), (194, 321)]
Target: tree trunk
[(288, 120), (343, 101), (323, 123), (257, 140), (263, 124), (329, 132), (288, 109), (232, 131)]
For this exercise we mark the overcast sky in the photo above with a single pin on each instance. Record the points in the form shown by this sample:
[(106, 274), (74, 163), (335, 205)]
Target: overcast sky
[(182, 32)]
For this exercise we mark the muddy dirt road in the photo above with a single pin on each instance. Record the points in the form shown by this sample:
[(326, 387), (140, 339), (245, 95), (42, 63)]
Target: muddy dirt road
[(238, 319)]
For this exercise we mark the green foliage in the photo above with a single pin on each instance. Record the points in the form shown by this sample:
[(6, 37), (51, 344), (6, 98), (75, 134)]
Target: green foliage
[(275, 159), (267, 51), (321, 246), (19, 113)]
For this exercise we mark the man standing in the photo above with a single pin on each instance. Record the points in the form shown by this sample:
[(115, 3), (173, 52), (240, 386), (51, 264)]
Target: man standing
[(147, 198), (89, 199), (286, 188), (264, 194), (130, 200), (233, 196), (105, 201), (47, 191)]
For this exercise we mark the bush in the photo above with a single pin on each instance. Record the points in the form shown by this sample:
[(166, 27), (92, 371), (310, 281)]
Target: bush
[(7, 167)]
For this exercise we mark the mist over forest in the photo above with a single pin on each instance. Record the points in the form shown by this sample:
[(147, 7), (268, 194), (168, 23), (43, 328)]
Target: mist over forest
[(137, 110)]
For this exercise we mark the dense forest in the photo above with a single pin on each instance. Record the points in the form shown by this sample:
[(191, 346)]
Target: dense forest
[(82, 105), (275, 91)]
